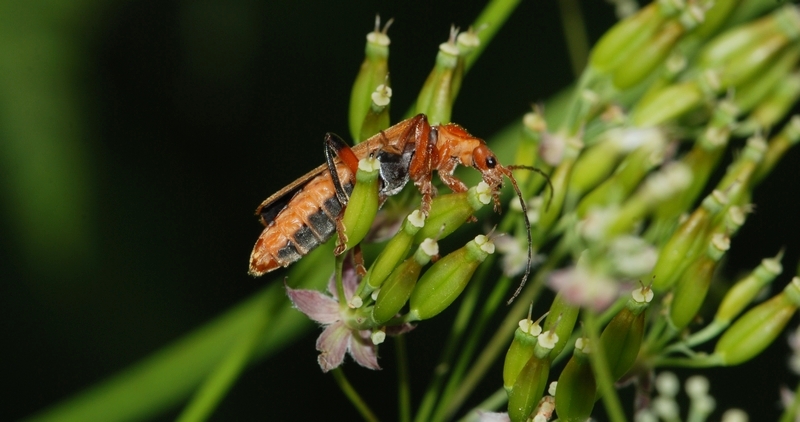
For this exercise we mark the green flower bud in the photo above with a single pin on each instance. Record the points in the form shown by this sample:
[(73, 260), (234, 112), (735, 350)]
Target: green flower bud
[(363, 204), (565, 315), (398, 287), (704, 156), (772, 81), (618, 44), (691, 289), (528, 390), (759, 327), (521, 351), (778, 146), (714, 18), (577, 388), (559, 179), (447, 278), (533, 127), (449, 212), (377, 118), (622, 337), (746, 289), (440, 89), (597, 162), (648, 56), (722, 48), (778, 102), (673, 101), (672, 260), (752, 63), (529, 385), (629, 173), (657, 189), (373, 72), (395, 251), (735, 183)]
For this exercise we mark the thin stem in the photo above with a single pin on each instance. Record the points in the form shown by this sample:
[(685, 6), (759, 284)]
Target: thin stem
[(403, 385), (491, 19), (448, 404), (353, 396), (575, 34), (605, 383), (338, 264), (469, 300)]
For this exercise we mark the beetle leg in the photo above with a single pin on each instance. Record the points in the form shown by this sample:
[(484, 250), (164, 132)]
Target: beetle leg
[(358, 261), (421, 167), (445, 170)]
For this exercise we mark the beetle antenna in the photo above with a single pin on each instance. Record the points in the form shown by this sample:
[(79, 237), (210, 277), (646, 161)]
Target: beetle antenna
[(546, 177), (507, 172)]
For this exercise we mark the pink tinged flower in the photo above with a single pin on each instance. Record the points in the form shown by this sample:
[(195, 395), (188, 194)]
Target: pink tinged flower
[(583, 288), (337, 337), (484, 416)]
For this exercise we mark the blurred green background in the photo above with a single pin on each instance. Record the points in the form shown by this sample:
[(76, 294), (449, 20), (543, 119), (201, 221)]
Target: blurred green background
[(137, 138)]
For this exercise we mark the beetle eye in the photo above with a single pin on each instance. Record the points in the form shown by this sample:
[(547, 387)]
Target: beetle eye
[(491, 162)]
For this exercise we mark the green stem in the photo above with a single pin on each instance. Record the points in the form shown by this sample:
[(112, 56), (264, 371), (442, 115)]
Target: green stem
[(575, 34), (352, 395), (491, 19), (213, 390), (599, 361), (468, 303), (403, 385)]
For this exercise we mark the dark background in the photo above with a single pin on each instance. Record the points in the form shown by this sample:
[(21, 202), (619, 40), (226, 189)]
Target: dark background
[(168, 122)]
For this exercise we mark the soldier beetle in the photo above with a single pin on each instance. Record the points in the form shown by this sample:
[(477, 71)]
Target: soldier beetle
[(307, 212)]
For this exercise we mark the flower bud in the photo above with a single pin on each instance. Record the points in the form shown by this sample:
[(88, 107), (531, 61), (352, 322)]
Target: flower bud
[(377, 118), (564, 314), (533, 127), (447, 278), (778, 146), (449, 212), (723, 47), (363, 204), (772, 83), (657, 188), (395, 250), (648, 56), (618, 44), (759, 327), (672, 260), (520, 352), (528, 390), (622, 337), (633, 168), (753, 61), (373, 72), (746, 289), (559, 180), (673, 101), (440, 89), (531, 381), (736, 182), (691, 289), (577, 388), (597, 162), (776, 104), (398, 287)]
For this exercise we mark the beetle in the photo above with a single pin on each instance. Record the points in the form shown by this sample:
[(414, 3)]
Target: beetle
[(307, 212)]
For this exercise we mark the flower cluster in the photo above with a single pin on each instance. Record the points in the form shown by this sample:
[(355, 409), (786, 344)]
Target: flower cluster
[(633, 199)]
